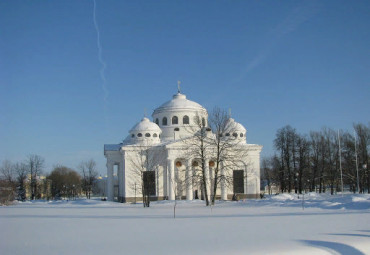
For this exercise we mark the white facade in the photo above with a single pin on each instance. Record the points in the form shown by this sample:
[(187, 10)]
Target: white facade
[(166, 147)]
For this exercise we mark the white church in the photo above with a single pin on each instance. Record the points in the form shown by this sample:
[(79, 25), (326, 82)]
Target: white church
[(168, 148)]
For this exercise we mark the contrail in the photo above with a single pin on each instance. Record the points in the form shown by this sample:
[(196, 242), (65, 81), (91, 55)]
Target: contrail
[(104, 65)]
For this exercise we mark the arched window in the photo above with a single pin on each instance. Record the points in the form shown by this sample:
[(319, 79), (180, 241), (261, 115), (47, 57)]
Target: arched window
[(164, 121), (241, 134), (220, 135), (154, 135), (227, 134), (235, 135), (203, 122), (132, 135), (185, 120), (157, 121), (175, 120), (147, 135), (177, 129), (139, 135)]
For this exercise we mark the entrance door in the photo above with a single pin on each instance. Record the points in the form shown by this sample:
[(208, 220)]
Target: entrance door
[(149, 183), (238, 181)]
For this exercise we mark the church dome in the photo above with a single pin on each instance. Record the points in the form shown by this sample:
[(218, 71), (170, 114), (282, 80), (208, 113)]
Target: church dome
[(233, 126), (144, 131), (235, 129), (145, 125), (177, 117), (179, 102)]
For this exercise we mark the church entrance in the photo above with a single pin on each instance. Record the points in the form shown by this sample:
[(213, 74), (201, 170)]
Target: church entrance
[(149, 183), (196, 196), (238, 181)]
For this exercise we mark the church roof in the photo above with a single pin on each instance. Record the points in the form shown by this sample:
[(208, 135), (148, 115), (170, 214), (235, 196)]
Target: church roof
[(179, 102), (233, 126), (146, 125)]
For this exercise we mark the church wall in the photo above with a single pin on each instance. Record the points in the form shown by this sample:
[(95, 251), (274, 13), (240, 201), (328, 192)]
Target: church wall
[(128, 174), (253, 186), (133, 176)]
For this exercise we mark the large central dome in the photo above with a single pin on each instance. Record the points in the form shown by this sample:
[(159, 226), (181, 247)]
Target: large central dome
[(177, 117), (179, 102)]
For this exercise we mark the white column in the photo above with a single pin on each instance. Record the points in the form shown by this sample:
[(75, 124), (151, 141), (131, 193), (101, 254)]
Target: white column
[(223, 183), (110, 183), (171, 179), (165, 180), (208, 183), (247, 178), (119, 176), (121, 182), (189, 180), (211, 180)]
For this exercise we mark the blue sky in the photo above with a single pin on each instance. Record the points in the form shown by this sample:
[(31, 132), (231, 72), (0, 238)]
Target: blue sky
[(303, 63)]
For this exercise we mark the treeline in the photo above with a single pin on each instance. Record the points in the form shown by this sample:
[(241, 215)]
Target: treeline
[(319, 161), (26, 180)]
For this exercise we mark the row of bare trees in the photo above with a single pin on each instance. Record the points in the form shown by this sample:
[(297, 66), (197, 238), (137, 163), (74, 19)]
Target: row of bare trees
[(26, 180), (15, 175), (325, 159)]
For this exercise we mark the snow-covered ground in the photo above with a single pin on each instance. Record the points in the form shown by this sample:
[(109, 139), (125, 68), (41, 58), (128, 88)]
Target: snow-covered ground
[(275, 225)]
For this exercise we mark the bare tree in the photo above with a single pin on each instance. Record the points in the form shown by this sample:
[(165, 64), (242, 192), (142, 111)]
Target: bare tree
[(363, 135), (303, 161), (21, 171), (315, 154), (227, 151), (348, 156), (285, 144), (199, 147), (218, 144), (89, 175), (7, 172), (7, 182), (35, 165), (222, 146)]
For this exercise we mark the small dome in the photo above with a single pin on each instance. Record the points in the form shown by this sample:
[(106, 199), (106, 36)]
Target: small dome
[(179, 102), (233, 126), (145, 125)]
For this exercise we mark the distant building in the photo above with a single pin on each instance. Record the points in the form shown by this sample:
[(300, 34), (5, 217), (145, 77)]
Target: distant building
[(169, 136), (272, 189)]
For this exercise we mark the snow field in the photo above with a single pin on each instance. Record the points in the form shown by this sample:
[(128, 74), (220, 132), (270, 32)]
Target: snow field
[(275, 225)]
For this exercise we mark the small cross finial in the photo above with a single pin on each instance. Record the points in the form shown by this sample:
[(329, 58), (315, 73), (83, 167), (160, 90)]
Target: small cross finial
[(229, 112), (145, 112), (178, 86)]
